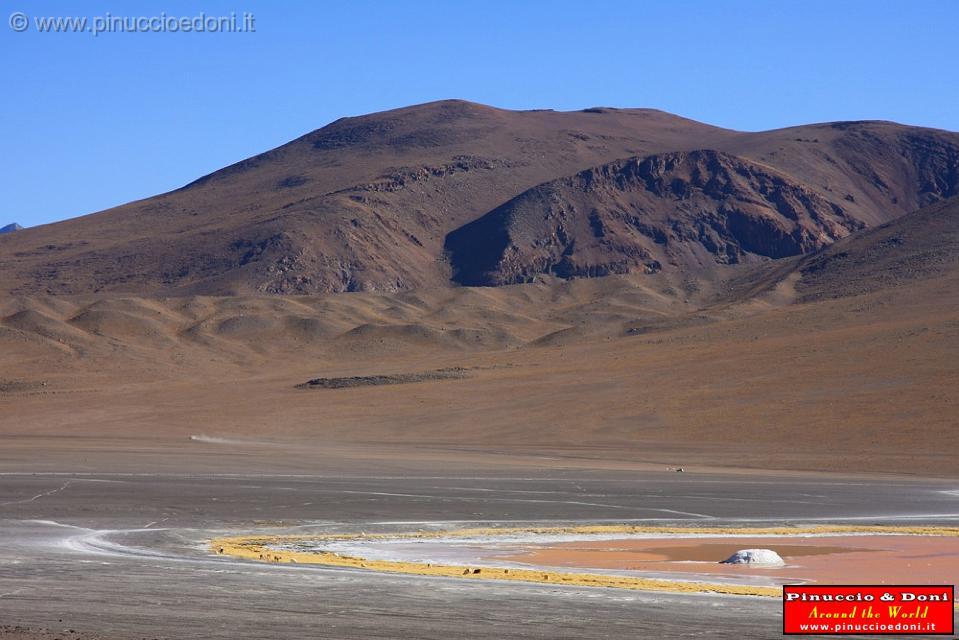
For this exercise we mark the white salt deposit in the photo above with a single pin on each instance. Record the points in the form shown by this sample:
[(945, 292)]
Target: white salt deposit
[(764, 557)]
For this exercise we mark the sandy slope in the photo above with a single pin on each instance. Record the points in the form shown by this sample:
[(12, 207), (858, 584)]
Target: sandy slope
[(748, 372)]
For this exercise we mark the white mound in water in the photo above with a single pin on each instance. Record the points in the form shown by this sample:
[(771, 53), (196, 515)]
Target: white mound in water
[(764, 557)]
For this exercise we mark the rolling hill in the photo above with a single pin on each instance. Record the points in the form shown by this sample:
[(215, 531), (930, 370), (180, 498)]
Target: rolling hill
[(839, 360)]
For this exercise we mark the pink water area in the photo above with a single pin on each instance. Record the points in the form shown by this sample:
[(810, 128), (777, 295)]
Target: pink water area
[(896, 559)]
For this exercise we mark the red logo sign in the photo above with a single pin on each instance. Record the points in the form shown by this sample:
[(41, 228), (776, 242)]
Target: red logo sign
[(868, 609)]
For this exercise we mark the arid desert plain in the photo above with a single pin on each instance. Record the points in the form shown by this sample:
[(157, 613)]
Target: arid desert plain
[(459, 371)]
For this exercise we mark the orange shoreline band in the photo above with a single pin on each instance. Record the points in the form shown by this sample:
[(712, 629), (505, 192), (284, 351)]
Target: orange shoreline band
[(259, 547)]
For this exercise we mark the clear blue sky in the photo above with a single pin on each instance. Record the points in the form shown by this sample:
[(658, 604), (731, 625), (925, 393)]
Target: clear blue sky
[(91, 122)]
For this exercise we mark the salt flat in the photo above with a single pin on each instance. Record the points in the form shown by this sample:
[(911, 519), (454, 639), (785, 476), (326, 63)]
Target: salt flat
[(125, 551)]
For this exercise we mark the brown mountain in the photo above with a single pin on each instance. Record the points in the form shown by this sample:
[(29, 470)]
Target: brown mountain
[(411, 198), (361, 204)]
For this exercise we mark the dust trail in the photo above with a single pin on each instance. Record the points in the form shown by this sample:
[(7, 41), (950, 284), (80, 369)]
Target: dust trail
[(54, 523), (514, 500), (215, 440), (687, 513), (155, 522), (39, 495)]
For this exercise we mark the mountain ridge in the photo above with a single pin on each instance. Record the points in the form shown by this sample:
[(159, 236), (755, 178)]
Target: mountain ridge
[(366, 203)]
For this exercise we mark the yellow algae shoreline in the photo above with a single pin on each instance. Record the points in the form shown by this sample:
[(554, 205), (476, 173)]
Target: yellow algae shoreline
[(258, 547)]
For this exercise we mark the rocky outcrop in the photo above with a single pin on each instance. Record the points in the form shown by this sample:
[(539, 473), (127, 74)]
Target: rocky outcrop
[(680, 209)]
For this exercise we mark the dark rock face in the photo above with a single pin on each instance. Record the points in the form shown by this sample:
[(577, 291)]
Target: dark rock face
[(677, 209), (10, 228), (936, 164)]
